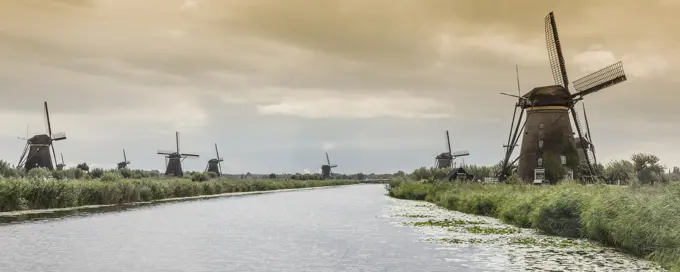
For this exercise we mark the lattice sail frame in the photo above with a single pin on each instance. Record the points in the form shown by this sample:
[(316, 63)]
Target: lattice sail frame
[(603, 78), (552, 41)]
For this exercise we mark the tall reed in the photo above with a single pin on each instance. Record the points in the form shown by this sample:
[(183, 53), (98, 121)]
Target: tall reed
[(644, 221)]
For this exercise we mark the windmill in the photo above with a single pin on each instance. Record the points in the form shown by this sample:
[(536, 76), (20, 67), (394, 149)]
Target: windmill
[(215, 165), (326, 168), (124, 163), (61, 165), (445, 159), (173, 159), (37, 150), (547, 128)]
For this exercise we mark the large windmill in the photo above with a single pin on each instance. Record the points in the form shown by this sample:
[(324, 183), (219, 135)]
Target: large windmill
[(124, 163), (326, 168), (547, 131), (37, 150), (173, 165), (445, 159), (215, 165)]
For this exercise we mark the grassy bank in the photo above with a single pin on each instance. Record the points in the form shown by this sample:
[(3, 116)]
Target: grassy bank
[(644, 221), (31, 194)]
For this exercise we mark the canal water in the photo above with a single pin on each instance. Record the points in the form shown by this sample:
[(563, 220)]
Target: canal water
[(350, 228)]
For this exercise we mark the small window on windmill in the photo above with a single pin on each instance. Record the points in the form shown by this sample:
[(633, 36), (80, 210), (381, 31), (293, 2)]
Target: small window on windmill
[(540, 162), (540, 143), (539, 174), (564, 159)]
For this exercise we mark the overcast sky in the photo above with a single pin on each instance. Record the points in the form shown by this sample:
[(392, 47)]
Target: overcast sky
[(276, 83)]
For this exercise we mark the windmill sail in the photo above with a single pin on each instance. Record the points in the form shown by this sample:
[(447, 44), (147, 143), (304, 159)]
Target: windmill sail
[(552, 40)]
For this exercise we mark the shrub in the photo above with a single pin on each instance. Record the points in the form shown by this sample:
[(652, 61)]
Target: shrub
[(96, 173), (199, 177)]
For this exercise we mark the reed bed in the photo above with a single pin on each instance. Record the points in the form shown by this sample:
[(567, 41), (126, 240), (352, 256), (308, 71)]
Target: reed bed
[(640, 220), (32, 194)]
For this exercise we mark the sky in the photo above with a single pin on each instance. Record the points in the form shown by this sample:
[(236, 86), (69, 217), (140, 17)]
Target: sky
[(275, 84)]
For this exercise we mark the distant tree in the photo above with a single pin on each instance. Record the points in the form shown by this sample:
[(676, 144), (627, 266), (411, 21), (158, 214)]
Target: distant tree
[(399, 174), (272, 176), (361, 176), (647, 167), (83, 166), (621, 170), (676, 170)]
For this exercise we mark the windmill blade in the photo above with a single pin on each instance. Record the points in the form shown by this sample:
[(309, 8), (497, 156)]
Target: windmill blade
[(460, 153), (62, 158), (49, 130), (552, 41), (333, 165), (328, 159), (177, 140), (577, 123), (588, 133), (219, 160), (603, 78), (58, 136), (448, 142), (189, 155), (166, 152)]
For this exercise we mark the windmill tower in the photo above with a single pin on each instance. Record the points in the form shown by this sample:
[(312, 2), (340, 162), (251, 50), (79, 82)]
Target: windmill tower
[(445, 160), (124, 163), (326, 168), (173, 159), (215, 165), (61, 165), (37, 150), (547, 130)]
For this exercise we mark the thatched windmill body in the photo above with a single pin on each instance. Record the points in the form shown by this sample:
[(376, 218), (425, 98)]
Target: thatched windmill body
[(173, 159), (215, 165), (546, 131), (124, 163), (326, 168), (37, 150), (445, 159)]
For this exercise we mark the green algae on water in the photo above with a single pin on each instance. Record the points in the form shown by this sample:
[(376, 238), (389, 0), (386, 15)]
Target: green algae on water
[(489, 230), (445, 223)]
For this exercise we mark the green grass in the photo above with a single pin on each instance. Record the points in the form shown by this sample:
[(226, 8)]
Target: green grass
[(643, 221), (30, 194)]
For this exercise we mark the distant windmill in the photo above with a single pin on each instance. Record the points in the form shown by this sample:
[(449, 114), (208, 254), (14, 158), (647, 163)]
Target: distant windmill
[(124, 163), (445, 160), (326, 168), (215, 165), (61, 165), (173, 165), (37, 150)]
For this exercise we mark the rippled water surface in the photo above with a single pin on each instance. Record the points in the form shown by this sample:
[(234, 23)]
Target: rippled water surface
[(351, 228)]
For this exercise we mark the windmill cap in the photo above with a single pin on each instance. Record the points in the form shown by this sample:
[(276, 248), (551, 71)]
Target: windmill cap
[(554, 95)]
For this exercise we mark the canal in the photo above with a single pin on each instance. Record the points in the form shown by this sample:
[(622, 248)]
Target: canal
[(349, 228)]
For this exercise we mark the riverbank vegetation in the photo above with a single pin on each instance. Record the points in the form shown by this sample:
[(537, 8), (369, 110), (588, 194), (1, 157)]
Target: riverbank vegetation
[(44, 189), (642, 218)]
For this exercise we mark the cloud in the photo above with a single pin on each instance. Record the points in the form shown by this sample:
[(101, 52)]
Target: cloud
[(319, 104), (190, 5), (328, 146), (643, 65)]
